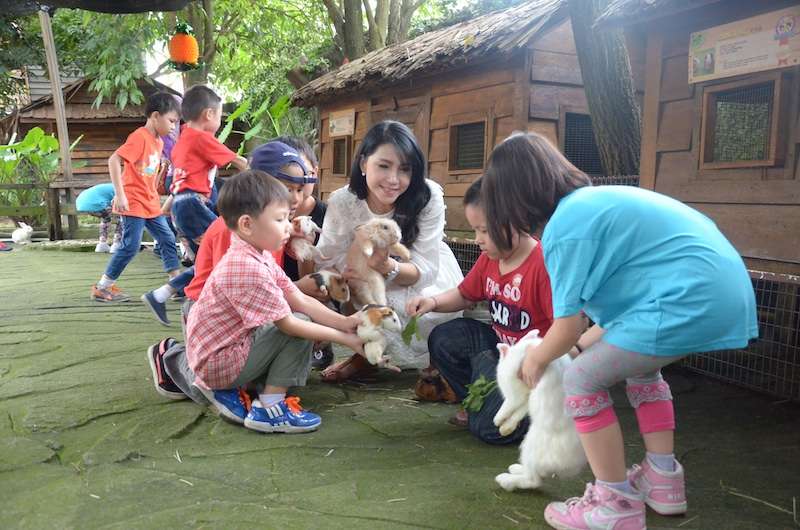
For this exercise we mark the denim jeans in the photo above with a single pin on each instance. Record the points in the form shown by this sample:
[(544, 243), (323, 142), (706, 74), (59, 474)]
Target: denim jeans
[(193, 215), (132, 238), (183, 279), (464, 350)]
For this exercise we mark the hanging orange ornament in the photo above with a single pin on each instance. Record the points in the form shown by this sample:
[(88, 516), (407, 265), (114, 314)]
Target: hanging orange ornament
[(183, 50)]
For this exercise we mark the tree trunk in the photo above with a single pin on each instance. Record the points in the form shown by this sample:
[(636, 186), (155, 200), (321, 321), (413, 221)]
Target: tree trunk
[(607, 80), (353, 29)]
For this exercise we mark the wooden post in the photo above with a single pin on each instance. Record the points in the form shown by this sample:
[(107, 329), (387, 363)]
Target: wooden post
[(58, 95), (54, 212)]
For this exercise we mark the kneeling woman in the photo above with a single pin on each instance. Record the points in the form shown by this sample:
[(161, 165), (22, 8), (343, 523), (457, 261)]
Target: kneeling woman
[(387, 180)]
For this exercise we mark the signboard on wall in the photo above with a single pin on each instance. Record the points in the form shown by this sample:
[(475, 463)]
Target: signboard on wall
[(342, 123), (755, 44)]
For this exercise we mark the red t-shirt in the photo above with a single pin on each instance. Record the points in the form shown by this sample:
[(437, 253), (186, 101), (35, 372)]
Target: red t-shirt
[(214, 245), (520, 300), (141, 154), (195, 159)]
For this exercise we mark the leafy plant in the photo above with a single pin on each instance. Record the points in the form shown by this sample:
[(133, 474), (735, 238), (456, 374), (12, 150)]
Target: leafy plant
[(32, 160), (411, 330), (478, 391), (264, 123)]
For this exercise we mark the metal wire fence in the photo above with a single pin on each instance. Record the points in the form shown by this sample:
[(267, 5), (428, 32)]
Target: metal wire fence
[(769, 364)]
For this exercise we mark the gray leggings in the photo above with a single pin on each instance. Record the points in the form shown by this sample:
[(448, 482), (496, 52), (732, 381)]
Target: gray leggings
[(602, 365)]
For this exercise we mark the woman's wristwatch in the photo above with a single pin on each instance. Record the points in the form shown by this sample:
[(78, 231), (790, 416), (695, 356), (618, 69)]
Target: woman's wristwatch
[(392, 274)]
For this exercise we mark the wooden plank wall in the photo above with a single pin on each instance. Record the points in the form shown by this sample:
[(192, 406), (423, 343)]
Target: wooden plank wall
[(758, 209), (528, 91)]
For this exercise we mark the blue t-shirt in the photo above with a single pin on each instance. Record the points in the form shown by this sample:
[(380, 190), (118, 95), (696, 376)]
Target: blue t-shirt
[(657, 275), (95, 199)]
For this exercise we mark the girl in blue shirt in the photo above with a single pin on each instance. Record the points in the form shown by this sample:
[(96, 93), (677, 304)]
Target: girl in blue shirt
[(659, 280)]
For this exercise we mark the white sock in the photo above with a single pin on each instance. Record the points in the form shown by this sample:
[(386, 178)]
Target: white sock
[(664, 462), (267, 400), (105, 282), (163, 293)]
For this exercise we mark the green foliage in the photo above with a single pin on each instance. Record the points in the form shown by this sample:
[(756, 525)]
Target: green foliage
[(32, 160), (16, 51), (263, 124), (436, 14), (411, 330), (478, 391)]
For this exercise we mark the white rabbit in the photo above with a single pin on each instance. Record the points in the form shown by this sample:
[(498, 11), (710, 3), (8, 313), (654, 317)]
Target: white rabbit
[(551, 446), (375, 319), (304, 250), (22, 235), (369, 287)]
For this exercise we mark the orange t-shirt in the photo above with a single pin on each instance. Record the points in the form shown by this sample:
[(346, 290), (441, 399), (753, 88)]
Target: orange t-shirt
[(214, 245), (196, 157), (141, 154)]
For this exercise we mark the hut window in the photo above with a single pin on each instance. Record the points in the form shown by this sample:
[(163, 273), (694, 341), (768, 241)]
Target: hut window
[(580, 146), (740, 124), (342, 155), (467, 146)]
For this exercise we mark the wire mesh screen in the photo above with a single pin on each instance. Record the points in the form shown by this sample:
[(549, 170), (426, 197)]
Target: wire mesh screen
[(771, 363), (619, 180), (580, 147), (466, 252), (742, 123)]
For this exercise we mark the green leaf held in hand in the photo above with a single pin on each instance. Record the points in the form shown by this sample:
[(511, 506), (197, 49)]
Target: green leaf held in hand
[(478, 391), (411, 330)]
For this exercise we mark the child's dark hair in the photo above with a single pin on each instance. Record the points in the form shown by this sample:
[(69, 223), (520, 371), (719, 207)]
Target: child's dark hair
[(408, 206), (525, 179), (161, 102), (301, 146), (472, 197), (248, 193), (196, 100)]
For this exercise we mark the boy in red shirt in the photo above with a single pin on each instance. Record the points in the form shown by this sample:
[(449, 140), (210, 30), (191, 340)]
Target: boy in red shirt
[(517, 287), (133, 168)]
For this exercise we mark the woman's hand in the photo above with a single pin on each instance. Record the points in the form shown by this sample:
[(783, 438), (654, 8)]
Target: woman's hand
[(309, 287), (380, 261), (532, 368), (419, 305)]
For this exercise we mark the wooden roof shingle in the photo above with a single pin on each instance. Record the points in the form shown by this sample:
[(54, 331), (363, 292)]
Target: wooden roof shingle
[(489, 36), (627, 12)]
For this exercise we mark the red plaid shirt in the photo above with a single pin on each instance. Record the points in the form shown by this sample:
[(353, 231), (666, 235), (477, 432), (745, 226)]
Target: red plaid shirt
[(246, 290)]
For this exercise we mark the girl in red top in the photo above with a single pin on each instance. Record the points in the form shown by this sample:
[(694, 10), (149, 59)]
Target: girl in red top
[(517, 288)]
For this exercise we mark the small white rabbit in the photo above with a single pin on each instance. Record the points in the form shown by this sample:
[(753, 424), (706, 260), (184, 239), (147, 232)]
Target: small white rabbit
[(22, 235), (375, 319), (304, 250), (551, 446)]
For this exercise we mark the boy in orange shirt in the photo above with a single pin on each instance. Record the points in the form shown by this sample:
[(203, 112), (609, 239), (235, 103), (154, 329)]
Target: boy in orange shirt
[(133, 168)]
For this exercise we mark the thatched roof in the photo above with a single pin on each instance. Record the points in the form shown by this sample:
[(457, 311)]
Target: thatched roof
[(42, 108), (627, 12), (492, 36)]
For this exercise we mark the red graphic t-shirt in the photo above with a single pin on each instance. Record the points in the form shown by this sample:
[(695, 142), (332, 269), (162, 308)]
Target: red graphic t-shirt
[(520, 300), (195, 159)]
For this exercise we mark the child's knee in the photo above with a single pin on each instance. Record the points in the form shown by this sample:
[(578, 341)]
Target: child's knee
[(653, 405)]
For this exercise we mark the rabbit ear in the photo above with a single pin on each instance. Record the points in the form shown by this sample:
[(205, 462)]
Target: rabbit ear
[(503, 349)]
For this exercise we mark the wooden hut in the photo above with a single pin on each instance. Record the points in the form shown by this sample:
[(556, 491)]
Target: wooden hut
[(721, 128), (104, 128), (462, 89)]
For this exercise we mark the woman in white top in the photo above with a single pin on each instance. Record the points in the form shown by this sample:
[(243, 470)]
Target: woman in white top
[(388, 180)]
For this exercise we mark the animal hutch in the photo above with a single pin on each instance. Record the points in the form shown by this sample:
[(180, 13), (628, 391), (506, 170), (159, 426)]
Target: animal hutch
[(721, 132), (103, 128), (462, 90)]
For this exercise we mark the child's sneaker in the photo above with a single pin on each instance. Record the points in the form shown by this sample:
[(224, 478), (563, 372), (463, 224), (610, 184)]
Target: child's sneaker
[(111, 293), (285, 416), (102, 247), (159, 309), (231, 404), (114, 247), (664, 491), (599, 508), (164, 384)]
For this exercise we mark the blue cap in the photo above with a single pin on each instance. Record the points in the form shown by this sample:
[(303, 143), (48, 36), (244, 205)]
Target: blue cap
[(272, 156)]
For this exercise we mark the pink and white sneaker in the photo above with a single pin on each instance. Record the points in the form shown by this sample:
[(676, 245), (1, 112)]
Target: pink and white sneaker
[(664, 491), (600, 508)]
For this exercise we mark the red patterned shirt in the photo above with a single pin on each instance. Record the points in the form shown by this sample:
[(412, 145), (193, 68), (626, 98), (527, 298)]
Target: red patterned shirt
[(246, 290)]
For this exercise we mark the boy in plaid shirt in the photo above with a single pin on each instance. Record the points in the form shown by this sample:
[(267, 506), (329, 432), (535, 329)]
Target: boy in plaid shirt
[(249, 326)]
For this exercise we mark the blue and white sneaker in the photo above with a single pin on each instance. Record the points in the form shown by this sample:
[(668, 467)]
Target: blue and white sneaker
[(229, 404), (159, 309), (285, 416)]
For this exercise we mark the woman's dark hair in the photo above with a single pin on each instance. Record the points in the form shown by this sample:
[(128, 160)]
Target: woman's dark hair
[(472, 197), (161, 102), (301, 146), (408, 206), (525, 179), (248, 193)]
